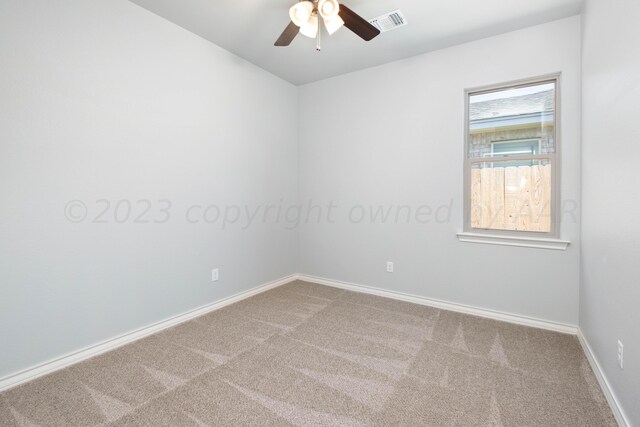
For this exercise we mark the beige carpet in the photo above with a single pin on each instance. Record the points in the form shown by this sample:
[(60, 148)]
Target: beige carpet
[(305, 354)]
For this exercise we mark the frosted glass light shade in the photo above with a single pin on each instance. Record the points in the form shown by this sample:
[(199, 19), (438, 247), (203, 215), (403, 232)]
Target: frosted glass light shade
[(333, 24), (310, 29), (301, 12), (328, 9)]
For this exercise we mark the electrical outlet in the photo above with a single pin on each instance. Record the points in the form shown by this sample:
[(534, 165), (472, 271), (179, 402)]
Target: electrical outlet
[(620, 354), (389, 267), (214, 275)]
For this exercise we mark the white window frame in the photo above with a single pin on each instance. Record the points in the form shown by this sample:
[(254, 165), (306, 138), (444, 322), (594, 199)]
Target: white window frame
[(547, 240)]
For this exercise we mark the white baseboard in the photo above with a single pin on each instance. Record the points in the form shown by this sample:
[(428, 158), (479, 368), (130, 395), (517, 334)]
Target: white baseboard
[(34, 372), (615, 406), (445, 305)]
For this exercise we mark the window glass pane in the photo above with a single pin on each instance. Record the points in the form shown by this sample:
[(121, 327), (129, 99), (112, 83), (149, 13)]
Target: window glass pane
[(505, 196), (522, 118)]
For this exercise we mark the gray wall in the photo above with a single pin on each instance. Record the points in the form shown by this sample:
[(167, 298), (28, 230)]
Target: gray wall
[(393, 136), (104, 100), (610, 289)]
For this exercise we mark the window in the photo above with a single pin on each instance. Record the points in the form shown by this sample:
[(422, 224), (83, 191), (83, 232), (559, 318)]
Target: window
[(511, 146)]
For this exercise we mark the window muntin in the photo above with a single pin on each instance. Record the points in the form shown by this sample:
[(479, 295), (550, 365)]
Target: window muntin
[(510, 158)]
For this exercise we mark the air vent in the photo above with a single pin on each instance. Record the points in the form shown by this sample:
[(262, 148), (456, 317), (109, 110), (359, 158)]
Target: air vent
[(389, 21)]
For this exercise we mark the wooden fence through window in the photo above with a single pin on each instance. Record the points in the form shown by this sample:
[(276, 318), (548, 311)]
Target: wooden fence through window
[(511, 198)]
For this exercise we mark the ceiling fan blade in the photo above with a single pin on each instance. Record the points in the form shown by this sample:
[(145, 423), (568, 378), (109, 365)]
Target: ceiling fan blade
[(357, 24), (287, 35)]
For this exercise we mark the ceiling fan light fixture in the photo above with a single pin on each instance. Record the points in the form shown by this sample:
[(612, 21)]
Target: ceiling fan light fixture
[(333, 24), (300, 13), (310, 29), (328, 8)]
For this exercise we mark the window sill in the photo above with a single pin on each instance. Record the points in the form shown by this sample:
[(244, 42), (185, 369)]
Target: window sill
[(523, 241)]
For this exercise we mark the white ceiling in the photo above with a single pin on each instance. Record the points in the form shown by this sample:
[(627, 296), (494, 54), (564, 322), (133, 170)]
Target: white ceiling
[(249, 28)]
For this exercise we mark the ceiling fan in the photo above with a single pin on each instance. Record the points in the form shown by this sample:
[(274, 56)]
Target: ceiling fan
[(307, 17)]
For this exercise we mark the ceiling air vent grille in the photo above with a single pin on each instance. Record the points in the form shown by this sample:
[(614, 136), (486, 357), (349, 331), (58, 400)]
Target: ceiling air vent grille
[(389, 21)]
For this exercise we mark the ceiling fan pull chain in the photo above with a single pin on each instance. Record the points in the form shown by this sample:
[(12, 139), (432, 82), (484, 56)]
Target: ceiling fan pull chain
[(318, 37)]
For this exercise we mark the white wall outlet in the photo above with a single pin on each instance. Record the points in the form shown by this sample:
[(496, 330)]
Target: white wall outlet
[(620, 354), (389, 267), (214, 275)]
